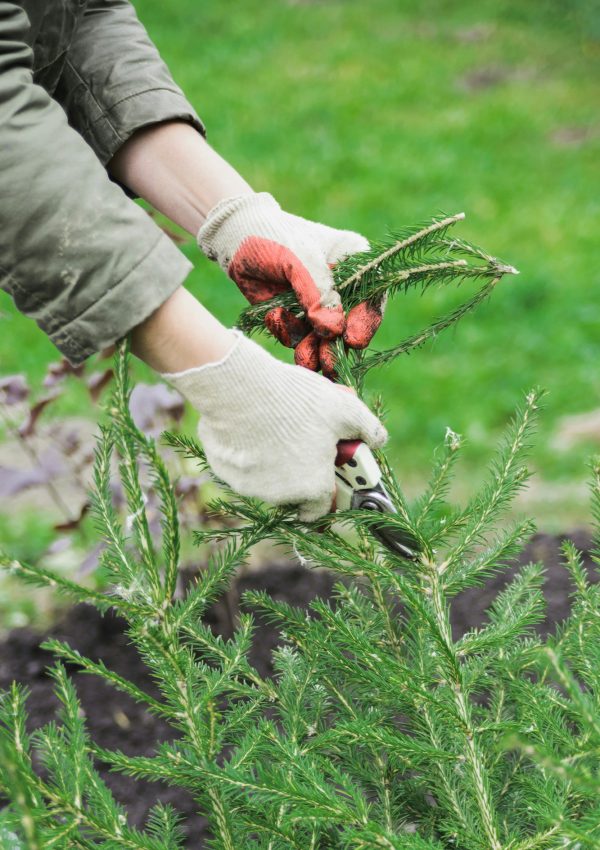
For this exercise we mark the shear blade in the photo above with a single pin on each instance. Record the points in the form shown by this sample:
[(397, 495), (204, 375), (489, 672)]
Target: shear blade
[(401, 542), (398, 540)]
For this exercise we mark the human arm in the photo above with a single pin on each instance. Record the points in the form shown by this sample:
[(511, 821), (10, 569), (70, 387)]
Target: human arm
[(120, 96), (270, 430), (174, 168), (75, 254), (114, 81), (181, 334), (263, 249), (251, 405)]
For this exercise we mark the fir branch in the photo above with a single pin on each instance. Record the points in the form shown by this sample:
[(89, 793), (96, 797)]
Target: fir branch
[(422, 275), (574, 564), (76, 795), (580, 776), (97, 668), (419, 238), (170, 766), (128, 468), (595, 493), (163, 822), (43, 577), (587, 711), (582, 629), (179, 689), (170, 515), (506, 478), (457, 245), (17, 777), (434, 496), (185, 445), (518, 608), (379, 839), (389, 268), (255, 823), (491, 559), (113, 831), (394, 490), (132, 442), (406, 749), (473, 748), (585, 830), (392, 627), (316, 801), (457, 814), (346, 360), (381, 358), (540, 840), (122, 568), (201, 638), (375, 521)]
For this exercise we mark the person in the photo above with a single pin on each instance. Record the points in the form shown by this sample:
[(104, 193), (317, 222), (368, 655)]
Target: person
[(90, 118)]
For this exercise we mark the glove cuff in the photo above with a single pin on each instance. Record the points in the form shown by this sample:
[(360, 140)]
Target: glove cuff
[(225, 210), (212, 387), (176, 377)]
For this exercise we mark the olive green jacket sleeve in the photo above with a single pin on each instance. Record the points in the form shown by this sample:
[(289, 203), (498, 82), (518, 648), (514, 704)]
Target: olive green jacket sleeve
[(75, 253), (114, 80)]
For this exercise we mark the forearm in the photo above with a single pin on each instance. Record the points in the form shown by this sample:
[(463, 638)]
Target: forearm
[(172, 167), (180, 335)]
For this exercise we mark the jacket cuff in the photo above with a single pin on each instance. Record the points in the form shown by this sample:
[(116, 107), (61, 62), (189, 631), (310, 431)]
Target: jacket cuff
[(106, 130), (126, 304)]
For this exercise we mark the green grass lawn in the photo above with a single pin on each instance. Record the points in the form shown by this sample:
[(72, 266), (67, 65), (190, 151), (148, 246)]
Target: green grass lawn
[(374, 115)]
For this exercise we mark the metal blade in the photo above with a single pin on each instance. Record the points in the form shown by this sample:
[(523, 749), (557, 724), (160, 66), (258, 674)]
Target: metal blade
[(398, 540)]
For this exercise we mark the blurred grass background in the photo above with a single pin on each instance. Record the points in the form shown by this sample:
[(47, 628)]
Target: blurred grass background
[(374, 115)]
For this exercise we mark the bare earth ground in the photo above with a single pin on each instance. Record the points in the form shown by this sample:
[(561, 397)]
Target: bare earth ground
[(115, 721)]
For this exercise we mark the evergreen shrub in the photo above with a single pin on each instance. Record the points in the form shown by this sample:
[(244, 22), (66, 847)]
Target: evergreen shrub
[(379, 728)]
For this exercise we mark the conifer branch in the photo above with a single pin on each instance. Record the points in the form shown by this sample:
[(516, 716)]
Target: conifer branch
[(43, 577), (122, 568), (397, 247), (380, 358), (97, 668), (506, 479), (540, 840), (128, 467), (473, 748), (409, 259), (440, 479), (443, 772)]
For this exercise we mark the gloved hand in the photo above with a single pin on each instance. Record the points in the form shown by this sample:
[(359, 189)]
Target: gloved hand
[(271, 429), (266, 251)]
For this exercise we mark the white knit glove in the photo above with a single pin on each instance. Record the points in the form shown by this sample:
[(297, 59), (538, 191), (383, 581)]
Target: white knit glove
[(271, 429), (266, 251)]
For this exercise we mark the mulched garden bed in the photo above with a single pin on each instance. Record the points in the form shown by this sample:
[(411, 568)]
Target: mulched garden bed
[(115, 721)]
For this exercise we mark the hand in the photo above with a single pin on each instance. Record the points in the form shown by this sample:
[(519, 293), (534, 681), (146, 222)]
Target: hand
[(271, 429), (266, 251)]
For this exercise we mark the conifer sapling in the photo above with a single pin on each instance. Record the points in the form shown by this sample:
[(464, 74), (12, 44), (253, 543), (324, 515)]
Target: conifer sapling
[(380, 729)]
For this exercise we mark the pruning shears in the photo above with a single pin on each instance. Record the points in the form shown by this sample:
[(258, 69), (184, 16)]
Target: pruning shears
[(360, 487)]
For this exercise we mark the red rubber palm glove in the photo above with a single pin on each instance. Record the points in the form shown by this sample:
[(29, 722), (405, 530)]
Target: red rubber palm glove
[(266, 251)]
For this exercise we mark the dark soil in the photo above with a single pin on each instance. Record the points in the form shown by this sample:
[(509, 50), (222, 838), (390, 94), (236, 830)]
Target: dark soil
[(116, 722)]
